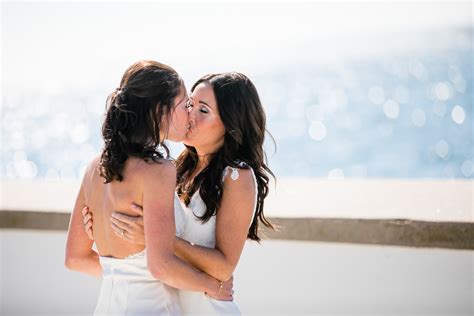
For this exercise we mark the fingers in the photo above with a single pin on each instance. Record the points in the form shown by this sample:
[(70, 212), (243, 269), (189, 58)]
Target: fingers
[(86, 218), (86, 215), (122, 233), (89, 233), (126, 218), (88, 229), (120, 224), (87, 222), (85, 210), (221, 297), (128, 238), (137, 208), (88, 225)]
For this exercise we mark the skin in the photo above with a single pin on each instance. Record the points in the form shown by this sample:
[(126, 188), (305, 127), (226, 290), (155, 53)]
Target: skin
[(206, 134), (151, 186)]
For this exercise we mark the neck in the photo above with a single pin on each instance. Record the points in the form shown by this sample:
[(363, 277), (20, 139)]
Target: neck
[(204, 155), (203, 161)]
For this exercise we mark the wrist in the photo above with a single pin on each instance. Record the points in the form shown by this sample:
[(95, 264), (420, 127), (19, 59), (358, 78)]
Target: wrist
[(213, 287)]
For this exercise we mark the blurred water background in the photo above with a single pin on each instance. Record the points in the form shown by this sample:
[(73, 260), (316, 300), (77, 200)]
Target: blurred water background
[(351, 89)]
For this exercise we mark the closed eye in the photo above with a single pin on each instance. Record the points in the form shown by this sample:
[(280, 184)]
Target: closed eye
[(203, 110)]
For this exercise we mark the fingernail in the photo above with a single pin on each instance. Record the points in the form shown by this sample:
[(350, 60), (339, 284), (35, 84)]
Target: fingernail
[(133, 206), (114, 215)]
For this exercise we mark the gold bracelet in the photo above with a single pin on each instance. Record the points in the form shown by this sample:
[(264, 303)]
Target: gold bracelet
[(220, 287)]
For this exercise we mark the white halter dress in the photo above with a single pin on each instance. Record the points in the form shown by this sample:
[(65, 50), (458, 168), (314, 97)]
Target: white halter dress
[(128, 288), (204, 234)]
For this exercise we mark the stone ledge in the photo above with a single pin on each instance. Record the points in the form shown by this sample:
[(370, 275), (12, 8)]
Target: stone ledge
[(399, 232), (396, 232)]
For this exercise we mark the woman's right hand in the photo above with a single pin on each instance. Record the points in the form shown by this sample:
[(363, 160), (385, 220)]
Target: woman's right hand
[(125, 226), (130, 228), (224, 292)]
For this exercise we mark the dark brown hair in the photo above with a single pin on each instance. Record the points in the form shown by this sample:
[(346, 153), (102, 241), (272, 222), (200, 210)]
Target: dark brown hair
[(135, 112), (244, 119)]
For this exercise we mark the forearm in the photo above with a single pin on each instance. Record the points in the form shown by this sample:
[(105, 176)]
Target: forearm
[(88, 264), (210, 260), (179, 274)]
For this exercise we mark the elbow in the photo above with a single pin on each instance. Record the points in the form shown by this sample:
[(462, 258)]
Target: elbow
[(160, 269), (75, 261), (158, 273), (71, 262), (225, 272)]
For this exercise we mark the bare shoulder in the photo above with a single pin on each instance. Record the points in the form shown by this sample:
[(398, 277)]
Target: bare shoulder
[(162, 170), (92, 169)]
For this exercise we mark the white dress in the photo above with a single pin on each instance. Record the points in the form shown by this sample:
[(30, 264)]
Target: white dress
[(204, 234), (128, 288)]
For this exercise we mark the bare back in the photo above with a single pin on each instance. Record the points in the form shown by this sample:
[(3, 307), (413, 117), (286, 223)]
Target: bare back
[(104, 199)]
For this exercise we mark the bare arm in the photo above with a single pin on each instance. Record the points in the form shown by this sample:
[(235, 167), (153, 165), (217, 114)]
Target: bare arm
[(79, 253), (159, 228), (232, 224), (233, 220)]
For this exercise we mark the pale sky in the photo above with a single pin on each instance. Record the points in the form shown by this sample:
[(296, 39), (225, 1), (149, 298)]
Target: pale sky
[(61, 44)]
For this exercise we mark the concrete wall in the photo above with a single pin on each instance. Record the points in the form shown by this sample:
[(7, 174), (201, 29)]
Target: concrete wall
[(275, 278)]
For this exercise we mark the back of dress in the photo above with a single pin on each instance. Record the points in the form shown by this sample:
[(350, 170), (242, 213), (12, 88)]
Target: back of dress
[(128, 288)]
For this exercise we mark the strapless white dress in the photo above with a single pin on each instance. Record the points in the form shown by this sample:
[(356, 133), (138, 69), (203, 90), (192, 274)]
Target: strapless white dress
[(128, 288), (204, 234)]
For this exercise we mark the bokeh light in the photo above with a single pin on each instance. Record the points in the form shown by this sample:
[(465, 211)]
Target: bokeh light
[(340, 108)]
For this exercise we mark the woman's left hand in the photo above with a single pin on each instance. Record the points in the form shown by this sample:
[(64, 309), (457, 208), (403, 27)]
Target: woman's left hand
[(87, 222), (129, 227)]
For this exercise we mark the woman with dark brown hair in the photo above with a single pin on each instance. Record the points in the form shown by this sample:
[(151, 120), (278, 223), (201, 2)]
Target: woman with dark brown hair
[(148, 107), (222, 183)]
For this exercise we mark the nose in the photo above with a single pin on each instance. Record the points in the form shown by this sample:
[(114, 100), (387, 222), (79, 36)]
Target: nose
[(190, 120), (191, 111), (191, 115)]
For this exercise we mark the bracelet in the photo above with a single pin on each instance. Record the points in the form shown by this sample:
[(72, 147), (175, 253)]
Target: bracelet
[(220, 287)]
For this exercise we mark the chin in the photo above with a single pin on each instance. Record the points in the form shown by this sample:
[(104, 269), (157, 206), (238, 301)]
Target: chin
[(176, 138), (188, 142)]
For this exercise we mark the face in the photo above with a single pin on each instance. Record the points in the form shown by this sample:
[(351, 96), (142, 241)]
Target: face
[(179, 117), (206, 130)]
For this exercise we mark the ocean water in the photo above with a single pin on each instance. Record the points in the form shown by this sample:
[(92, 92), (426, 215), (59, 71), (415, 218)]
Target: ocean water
[(400, 113), (407, 116)]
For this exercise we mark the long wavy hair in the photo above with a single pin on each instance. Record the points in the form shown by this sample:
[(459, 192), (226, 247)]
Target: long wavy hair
[(135, 113), (244, 119)]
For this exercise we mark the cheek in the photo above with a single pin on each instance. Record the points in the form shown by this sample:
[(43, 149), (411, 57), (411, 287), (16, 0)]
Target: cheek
[(181, 117), (184, 116), (217, 129), (210, 127)]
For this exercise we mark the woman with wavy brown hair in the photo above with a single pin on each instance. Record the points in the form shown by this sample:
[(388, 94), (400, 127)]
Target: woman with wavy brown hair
[(222, 183), (148, 107)]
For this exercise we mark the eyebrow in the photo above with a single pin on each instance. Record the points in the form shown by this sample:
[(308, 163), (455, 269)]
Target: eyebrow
[(205, 103)]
